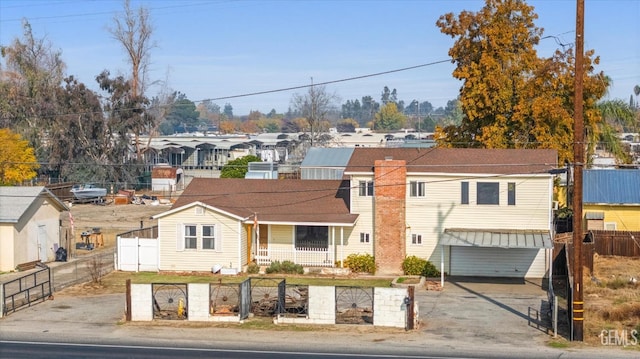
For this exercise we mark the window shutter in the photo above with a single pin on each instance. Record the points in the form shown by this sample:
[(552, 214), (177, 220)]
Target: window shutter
[(179, 238), (218, 239)]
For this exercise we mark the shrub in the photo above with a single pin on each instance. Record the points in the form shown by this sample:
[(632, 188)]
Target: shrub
[(286, 267), (361, 263), (413, 265), (253, 268)]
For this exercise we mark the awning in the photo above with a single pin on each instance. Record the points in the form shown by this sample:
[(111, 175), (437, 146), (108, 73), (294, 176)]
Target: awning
[(500, 238)]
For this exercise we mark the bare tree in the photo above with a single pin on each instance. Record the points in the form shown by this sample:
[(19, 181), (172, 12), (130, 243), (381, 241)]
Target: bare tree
[(314, 106), (133, 30)]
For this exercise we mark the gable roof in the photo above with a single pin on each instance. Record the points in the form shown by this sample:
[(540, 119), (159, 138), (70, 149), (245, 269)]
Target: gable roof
[(611, 186), (281, 201), (458, 160), (14, 201)]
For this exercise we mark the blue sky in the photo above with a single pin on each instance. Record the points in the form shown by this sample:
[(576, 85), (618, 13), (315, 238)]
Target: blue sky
[(213, 49)]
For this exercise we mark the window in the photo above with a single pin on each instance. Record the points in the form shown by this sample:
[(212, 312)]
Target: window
[(315, 237), (416, 189), (488, 193), (511, 200), (190, 237), (416, 239), (364, 237), (208, 237), (365, 188), (464, 190)]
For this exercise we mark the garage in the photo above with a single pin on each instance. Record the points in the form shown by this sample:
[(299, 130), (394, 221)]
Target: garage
[(497, 253)]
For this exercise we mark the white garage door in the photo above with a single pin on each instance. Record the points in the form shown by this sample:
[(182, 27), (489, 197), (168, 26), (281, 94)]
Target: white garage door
[(497, 262)]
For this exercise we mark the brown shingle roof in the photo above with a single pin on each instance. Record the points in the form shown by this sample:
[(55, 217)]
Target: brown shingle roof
[(299, 201), (458, 160)]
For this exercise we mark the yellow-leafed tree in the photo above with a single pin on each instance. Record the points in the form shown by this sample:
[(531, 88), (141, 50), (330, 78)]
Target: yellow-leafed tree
[(17, 159), (510, 97)]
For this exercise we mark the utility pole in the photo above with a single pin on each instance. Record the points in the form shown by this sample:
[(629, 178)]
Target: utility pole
[(578, 159)]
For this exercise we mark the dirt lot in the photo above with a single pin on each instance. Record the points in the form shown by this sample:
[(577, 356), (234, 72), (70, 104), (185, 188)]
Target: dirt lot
[(612, 297), (111, 219)]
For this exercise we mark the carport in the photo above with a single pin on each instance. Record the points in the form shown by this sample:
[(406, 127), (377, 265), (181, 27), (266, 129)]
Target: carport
[(496, 253)]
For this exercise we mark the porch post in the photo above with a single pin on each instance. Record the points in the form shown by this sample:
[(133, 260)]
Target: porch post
[(341, 247), (442, 265)]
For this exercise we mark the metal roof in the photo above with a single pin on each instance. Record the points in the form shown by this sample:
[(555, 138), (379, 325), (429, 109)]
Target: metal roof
[(611, 186), (500, 238), (327, 157), (14, 201)]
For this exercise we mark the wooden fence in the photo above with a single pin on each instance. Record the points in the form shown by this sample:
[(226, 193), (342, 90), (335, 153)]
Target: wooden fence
[(617, 243)]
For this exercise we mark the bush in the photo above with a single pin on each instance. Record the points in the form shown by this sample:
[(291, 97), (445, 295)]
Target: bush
[(253, 268), (413, 265), (361, 263), (286, 267)]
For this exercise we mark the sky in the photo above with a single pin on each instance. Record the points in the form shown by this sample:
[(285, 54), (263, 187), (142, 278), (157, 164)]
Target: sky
[(223, 49)]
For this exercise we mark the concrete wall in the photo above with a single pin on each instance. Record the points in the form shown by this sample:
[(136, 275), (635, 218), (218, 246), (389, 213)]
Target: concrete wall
[(141, 302), (389, 309)]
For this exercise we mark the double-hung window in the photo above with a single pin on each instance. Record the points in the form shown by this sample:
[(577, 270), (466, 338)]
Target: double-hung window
[(208, 237), (365, 188), (417, 189), (190, 236), (416, 239)]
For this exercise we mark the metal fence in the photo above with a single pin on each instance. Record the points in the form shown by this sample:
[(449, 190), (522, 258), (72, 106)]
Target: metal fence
[(83, 269), (26, 290)]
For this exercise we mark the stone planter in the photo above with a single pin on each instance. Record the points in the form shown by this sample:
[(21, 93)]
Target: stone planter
[(410, 280)]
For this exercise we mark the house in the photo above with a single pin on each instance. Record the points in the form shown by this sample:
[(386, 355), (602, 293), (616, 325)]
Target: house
[(611, 199), (29, 225), (475, 211)]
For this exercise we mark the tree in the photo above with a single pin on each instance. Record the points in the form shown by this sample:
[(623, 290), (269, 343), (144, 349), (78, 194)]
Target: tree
[(389, 118), (238, 168), (348, 125), (510, 98), (183, 115), (34, 72), (17, 159), (228, 111), (133, 31), (617, 117), (314, 106)]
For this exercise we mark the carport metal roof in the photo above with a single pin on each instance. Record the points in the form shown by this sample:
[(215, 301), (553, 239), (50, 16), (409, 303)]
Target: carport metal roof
[(499, 238)]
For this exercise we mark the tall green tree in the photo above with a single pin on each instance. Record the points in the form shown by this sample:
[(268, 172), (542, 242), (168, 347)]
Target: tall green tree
[(33, 73), (511, 98)]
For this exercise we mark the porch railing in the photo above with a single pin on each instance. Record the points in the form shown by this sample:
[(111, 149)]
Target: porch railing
[(307, 257)]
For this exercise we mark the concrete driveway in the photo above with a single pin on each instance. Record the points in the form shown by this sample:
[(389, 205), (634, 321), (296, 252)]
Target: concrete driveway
[(486, 310)]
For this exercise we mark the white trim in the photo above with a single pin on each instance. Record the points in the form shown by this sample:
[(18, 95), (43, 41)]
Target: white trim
[(197, 203)]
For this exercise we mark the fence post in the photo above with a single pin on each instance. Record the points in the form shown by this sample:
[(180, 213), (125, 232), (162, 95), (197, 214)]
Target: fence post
[(2, 304), (128, 301), (410, 312)]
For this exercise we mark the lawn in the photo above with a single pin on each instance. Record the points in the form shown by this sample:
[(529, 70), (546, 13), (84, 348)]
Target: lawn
[(115, 282)]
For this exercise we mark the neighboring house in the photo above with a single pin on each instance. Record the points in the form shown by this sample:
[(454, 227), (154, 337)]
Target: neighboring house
[(475, 211), (611, 199), (29, 225)]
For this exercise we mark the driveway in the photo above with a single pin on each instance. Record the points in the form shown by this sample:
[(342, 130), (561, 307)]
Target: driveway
[(486, 310)]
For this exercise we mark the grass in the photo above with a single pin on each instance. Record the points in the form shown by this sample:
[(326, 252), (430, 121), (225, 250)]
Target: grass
[(115, 282)]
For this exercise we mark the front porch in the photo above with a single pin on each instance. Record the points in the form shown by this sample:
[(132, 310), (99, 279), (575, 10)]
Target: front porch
[(306, 257)]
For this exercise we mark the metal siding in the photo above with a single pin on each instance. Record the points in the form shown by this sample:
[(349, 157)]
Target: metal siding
[(498, 262), (611, 186)]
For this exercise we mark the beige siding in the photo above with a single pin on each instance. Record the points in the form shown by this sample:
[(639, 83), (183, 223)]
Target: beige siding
[(7, 248), (26, 244), (281, 237), (228, 229), (362, 205)]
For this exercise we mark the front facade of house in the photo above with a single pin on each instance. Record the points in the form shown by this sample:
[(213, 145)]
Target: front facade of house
[(29, 226), (473, 212)]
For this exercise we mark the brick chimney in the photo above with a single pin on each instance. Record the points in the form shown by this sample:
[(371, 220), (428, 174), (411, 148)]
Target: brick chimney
[(389, 215)]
